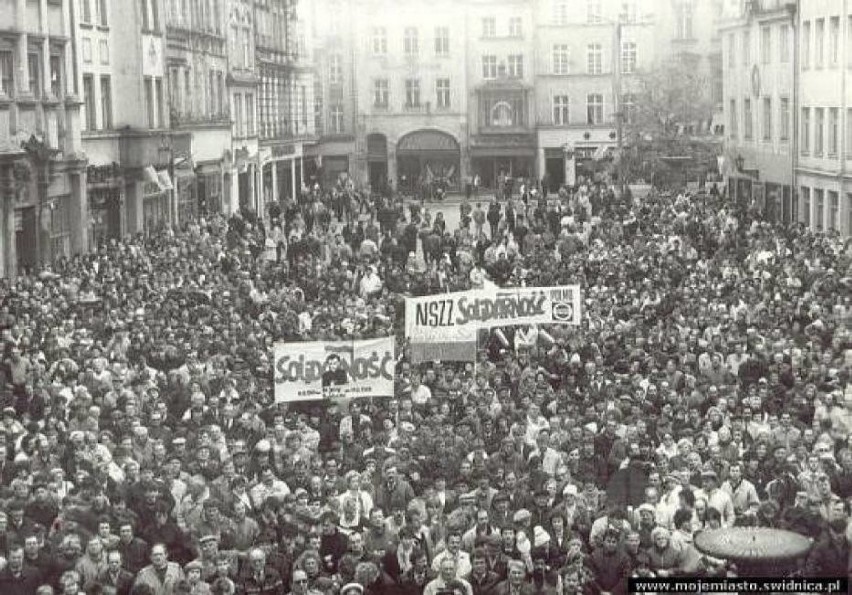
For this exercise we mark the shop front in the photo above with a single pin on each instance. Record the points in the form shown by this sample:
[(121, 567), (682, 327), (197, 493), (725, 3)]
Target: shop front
[(427, 157), (502, 157), (105, 185), (210, 198), (156, 192), (187, 195)]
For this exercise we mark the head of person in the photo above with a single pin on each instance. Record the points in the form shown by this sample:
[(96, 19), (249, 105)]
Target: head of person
[(159, 556), (447, 569), (299, 582), (517, 572)]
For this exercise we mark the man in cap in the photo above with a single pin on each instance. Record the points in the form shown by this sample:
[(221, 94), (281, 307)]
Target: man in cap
[(210, 556)]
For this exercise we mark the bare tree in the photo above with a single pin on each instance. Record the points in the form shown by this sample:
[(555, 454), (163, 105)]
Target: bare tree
[(668, 104)]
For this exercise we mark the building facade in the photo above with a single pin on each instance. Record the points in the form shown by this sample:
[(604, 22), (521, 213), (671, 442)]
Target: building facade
[(823, 175), (411, 94), (501, 89), (759, 94), (126, 137), (197, 67), (336, 98), (788, 109), (286, 101), (497, 87), (587, 61), (43, 204)]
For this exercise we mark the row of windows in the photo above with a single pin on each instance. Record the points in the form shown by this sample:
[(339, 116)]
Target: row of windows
[(820, 131), (381, 93), (94, 12), (821, 209), (154, 101), (34, 70), (594, 109), (95, 94), (202, 14), (769, 111), (186, 95), (594, 11), (410, 41), (814, 49), (774, 43), (150, 11), (514, 27), (513, 67)]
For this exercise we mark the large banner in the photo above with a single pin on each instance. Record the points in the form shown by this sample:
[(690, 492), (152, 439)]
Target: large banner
[(444, 327), (334, 369)]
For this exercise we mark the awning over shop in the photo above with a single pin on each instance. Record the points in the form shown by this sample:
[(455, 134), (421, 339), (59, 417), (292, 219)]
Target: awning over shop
[(164, 180)]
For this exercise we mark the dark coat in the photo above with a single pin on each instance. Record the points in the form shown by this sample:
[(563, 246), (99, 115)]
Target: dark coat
[(830, 557), (25, 584), (627, 486), (485, 585), (122, 583)]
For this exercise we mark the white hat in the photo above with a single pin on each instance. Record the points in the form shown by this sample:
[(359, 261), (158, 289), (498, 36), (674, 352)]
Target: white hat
[(570, 490), (540, 536)]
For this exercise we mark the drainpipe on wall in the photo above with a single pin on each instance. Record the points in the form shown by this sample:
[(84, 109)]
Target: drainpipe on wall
[(841, 133), (793, 8)]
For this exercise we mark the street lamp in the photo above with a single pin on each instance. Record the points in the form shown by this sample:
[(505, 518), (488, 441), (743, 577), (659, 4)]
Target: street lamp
[(616, 89)]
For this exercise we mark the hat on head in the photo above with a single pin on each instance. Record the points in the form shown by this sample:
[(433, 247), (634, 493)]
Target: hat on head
[(208, 537), (570, 490), (194, 565), (352, 589), (521, 516), (540, 536), (709, 474)]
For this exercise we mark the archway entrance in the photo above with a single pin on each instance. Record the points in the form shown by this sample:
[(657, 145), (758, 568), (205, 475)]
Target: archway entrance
[(428, 158)]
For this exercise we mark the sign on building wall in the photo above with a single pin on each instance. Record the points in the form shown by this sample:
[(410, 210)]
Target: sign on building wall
[(152, 56), (333, 369)]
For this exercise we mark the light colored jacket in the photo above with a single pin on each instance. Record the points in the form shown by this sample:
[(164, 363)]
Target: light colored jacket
[(148, 576)]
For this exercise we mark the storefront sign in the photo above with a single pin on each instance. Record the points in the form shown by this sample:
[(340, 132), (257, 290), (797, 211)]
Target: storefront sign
[(283, 150), (328, 370), (445, 326)]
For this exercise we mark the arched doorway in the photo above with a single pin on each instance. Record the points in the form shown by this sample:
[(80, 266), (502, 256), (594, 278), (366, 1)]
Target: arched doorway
[(377, 161), (426, 158)]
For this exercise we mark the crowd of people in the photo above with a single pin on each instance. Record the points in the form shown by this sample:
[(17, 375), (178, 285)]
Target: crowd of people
[(142, 451)]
